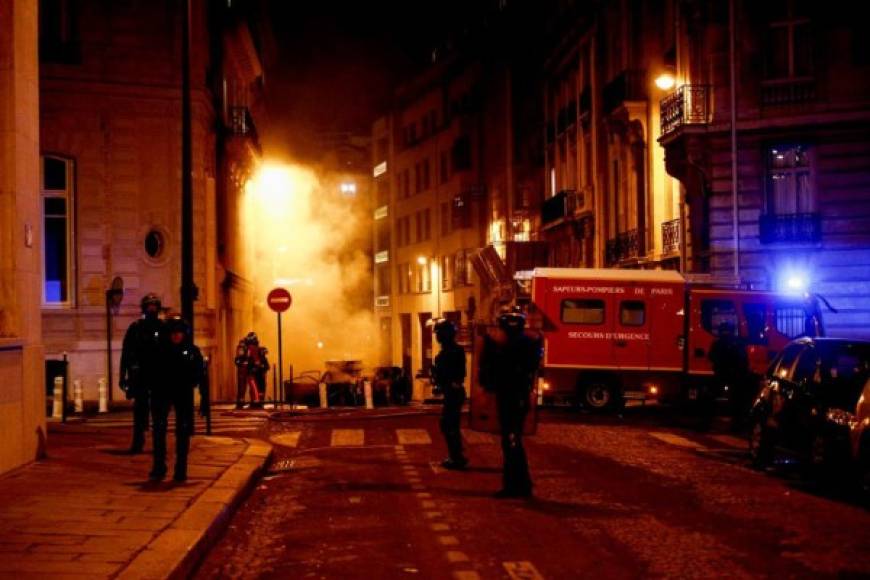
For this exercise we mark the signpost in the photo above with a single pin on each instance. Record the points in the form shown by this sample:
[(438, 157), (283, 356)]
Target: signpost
[(279, 300)]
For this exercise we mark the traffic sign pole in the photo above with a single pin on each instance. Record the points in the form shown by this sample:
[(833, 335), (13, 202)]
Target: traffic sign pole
[(280, 363), (279, 300)]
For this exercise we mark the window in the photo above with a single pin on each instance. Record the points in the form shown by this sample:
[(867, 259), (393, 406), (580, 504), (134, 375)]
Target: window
[(445, 218), (427, 224), (155, 244), (789, 52), (807, 368), (383, 280), (57, 243), (632, 313), (782, 367), (461, 154), (717, 312), (461, 269), (583, 311), (789, 181), (447, 273), (404, 278), (422, 277), (58, 38), (756, 323), (461, 215), (418, 178), (418, 223)]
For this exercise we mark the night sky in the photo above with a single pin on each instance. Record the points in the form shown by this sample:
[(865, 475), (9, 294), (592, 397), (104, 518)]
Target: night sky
[(337, 63)]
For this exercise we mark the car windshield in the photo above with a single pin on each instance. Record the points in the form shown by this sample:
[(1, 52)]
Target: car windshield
[(844, 368)]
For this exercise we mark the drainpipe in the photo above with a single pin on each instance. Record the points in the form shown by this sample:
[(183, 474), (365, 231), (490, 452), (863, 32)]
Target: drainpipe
[(735, 221)]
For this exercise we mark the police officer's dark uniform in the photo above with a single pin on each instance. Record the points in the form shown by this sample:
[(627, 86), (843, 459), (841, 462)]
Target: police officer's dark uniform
[(731, 369), (448, 374), (141, 364), (241, 362), (258, 365), (507, 367), (185, 371)]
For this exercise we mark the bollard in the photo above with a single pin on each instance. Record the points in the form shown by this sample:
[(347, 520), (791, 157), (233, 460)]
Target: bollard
[(324, 402), (57, 408), (78, 402), (367, 390), (540, 396), (103, 391)]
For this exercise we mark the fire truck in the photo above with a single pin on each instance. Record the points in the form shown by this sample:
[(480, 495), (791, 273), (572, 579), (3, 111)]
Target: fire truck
[(611, 335)]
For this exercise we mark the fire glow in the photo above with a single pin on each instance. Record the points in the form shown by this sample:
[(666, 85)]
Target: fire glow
[(299, 236)]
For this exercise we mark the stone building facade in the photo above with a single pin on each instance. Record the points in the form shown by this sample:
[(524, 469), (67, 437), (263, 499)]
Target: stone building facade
[(110, 140), (22, 400), (802, 138)]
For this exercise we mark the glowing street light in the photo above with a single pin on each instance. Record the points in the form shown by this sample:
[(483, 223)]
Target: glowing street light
[(422, 260), (348, 188), (665, 81)]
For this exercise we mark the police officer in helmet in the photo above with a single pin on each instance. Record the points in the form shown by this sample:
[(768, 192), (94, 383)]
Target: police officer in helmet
[(258, 366), (508, 364), (448, 375), (185, 370), (141, 362)]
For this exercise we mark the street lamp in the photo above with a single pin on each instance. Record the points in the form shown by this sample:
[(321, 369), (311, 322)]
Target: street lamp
[(666, 81)]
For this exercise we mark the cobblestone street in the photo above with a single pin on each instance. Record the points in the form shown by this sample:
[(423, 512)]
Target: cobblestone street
[(356, 497)]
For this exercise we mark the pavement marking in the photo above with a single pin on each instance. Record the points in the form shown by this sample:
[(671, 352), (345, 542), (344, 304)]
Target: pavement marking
[(347, 437), (524, 570), (672, 439), (413, 437), (730, 441), (455, 556), (448, 540), (355, 499), (466, 575), (439, 527), (290, 439), (428, 504), (432, 515), (423, 494), (415, 480), (436, 467), (409, 468)]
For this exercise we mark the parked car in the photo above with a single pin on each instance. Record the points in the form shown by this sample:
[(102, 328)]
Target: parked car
[(814, 405)]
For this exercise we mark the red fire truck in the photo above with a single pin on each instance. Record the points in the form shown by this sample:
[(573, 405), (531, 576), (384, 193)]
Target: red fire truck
[(610, 335)]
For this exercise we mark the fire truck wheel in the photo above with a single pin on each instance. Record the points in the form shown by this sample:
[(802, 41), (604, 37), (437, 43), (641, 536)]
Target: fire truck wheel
[(760, 446), (599, 394)]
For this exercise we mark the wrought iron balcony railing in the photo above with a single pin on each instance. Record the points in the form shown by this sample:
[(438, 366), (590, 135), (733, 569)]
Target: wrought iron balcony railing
[(671, 237), (793, 228), (688, 105), (787, 91), (241, 123), (624, 246)]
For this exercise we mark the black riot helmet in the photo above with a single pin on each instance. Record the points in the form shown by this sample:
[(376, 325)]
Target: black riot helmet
[(175, 325), (445, 330), (150, 299), (512, 321), (252, 339)]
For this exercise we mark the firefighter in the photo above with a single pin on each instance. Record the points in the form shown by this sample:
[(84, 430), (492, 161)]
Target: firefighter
[(241, 362), (448, 375), (509, 361), (141, 364), (258, 366), (731, 370), (185, 370)]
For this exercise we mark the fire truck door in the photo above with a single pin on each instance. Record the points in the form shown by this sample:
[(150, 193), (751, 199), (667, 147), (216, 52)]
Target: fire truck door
[(631, 337)]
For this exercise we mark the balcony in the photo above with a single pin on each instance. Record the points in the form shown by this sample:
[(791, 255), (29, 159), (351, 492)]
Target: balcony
[(787, 91), (241, 124), (625, 246), (555, 208), (797, 228), (688, 105), (671, 237), (629, 85)]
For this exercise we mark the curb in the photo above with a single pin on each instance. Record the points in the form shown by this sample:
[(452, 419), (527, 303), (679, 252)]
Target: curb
[(176, 551)]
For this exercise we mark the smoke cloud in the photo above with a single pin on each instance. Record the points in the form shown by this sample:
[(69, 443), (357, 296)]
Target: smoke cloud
[(302, 234)]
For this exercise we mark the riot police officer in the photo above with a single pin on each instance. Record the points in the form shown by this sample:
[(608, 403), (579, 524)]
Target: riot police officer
[(258, 366), (140, 370), (241, 362), (448, 374), (185, 370), (730, 363), (508, 365)]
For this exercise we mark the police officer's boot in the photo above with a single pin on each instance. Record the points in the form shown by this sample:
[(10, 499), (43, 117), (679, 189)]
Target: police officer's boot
[(158, 472)]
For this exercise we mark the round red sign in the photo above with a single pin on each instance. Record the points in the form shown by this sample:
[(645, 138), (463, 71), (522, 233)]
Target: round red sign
[(279, 300)]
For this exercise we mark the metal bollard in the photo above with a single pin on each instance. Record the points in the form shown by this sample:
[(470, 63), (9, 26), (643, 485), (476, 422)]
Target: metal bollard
[(103, 390), (78, 402), (324, 402), (540, 396), (57, 407), (367, 390)]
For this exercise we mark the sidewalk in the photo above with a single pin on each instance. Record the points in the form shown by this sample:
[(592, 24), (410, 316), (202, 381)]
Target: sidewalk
[(87, 510)]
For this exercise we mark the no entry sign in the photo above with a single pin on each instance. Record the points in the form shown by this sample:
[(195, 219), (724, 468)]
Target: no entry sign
[(279, 300)]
